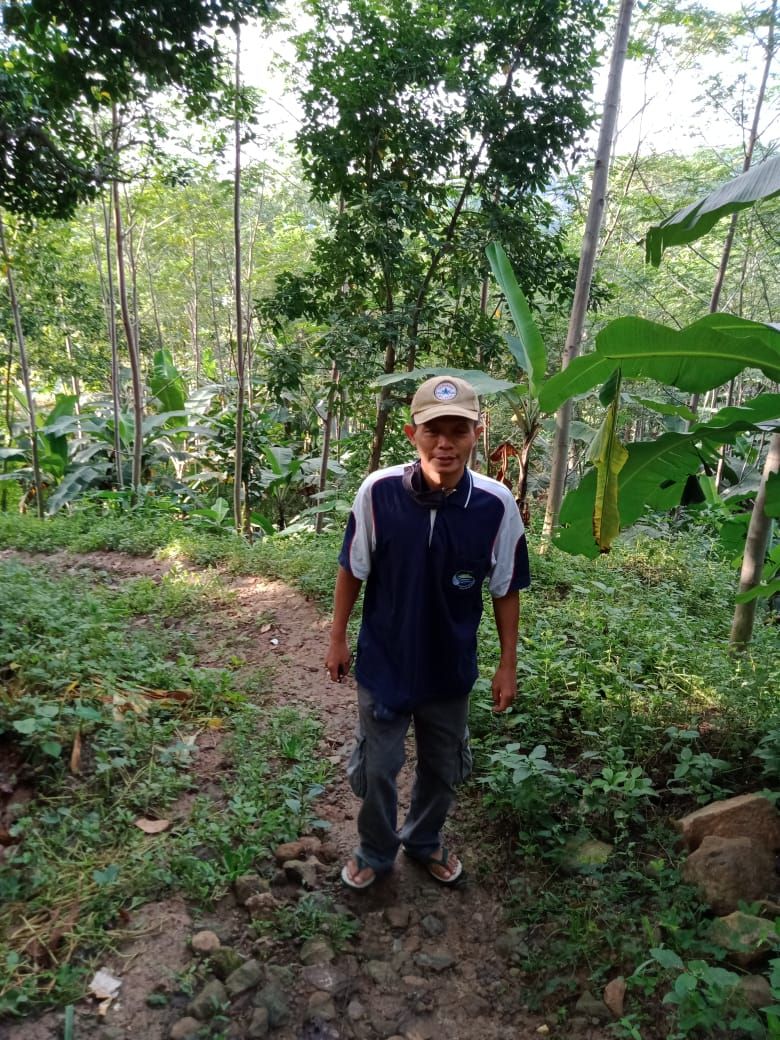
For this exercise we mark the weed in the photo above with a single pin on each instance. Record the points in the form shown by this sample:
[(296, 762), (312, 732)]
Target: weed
[(313, 915)]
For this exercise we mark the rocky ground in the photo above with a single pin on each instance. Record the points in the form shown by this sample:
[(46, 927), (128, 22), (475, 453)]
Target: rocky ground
[(428, 962)]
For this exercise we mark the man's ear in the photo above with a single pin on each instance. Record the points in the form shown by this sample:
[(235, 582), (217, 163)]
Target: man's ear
[(409, 431), (478, 429)]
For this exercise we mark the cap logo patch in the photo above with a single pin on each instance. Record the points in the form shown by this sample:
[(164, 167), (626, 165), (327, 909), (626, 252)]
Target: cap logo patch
[(445, 392)]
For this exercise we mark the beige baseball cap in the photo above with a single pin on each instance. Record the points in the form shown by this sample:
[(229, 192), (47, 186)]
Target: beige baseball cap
[(444, 395)]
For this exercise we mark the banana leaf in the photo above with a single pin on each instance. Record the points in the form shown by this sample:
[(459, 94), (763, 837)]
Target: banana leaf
[(609, 457), (704, 355), (481, 381), (167, 383), (528, 347), (695, 220)]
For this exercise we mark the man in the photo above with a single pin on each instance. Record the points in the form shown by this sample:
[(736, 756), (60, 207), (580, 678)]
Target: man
[(424, 537)]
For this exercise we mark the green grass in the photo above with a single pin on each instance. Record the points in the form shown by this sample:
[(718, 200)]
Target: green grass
[(630, 711), (84, 671)]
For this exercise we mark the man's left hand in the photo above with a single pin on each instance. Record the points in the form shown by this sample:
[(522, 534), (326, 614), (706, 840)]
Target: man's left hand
[(504, 687)]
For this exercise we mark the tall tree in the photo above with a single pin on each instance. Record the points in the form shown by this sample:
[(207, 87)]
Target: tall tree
[(588, 260), (435, 125), (62, 62)]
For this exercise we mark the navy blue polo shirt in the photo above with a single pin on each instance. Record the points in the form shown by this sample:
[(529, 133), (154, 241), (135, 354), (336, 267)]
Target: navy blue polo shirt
[(424, 556)]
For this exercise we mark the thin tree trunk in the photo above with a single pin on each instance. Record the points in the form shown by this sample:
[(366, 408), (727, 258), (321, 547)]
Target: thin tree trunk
[(587, 263), (215, 322), (195, 319), (756, 544), (323, 481), (8, 423), (127, 321), (112, 336), (240, 375), (25, 370)]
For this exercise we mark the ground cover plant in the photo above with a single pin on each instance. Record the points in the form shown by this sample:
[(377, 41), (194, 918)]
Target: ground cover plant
[(630, 712), (101, 705)]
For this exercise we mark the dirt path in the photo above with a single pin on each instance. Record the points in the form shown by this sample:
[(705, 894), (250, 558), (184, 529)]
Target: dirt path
[(428, 963)]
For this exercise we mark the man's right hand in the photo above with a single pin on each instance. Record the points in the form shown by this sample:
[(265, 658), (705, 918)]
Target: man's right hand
[(338, 659)]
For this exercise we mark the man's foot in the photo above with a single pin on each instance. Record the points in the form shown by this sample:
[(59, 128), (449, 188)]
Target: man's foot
[(444, 866), (357, 874)]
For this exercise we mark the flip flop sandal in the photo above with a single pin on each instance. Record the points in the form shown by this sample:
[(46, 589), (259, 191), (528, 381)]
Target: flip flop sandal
[(358, 886), (441, 861)]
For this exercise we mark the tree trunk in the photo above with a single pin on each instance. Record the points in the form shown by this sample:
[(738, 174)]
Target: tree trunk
[(587, 263), (127, 321), (238, 467), (111, 320), (334, 383), (756, 544), (25, 370), (8, 423)]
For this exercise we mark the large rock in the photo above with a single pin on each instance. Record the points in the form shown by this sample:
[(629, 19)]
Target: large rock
[(249, 975), (747, 815), (211, 999), (728, 871), (747, 939)]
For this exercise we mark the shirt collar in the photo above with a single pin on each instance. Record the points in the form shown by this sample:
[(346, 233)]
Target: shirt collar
[(417, 488)]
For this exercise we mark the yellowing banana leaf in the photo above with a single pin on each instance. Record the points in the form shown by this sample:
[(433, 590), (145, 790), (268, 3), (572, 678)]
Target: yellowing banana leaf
[(609, 457)]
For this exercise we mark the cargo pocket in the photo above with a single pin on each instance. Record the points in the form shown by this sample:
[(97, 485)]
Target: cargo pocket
[(466, 759), (356, 768)]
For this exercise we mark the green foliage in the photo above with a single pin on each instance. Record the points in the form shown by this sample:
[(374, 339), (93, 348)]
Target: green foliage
[(313, 915), (129, 710), (690, 223)]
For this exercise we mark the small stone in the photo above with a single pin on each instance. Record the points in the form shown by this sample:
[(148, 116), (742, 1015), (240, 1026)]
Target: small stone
[(592, 1007), (615, 995), (258, 1024), (433, 925), (289, 850), (302, 872), (249, 885), (435, 960), (272, 998), (381, 972), (261, 906), (746, 938), (205, 942), (355, 1011), (327, 978), (224, 961), (397, 916), (584, 855), (512, 944), (248, 975), (316, 951), (415, 981), (185, 1029), (321, 1006), (755, 991), (543, 1029), (211, 999)]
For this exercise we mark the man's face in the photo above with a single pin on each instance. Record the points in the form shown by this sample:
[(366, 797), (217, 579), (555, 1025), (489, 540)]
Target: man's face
[(444, 445)]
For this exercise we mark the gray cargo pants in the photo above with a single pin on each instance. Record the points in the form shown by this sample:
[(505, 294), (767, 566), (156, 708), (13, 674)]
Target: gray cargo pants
[(443, 761)]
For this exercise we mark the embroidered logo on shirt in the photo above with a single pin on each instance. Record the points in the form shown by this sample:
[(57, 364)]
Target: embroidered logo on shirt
[(445, 392), (463, 580)]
